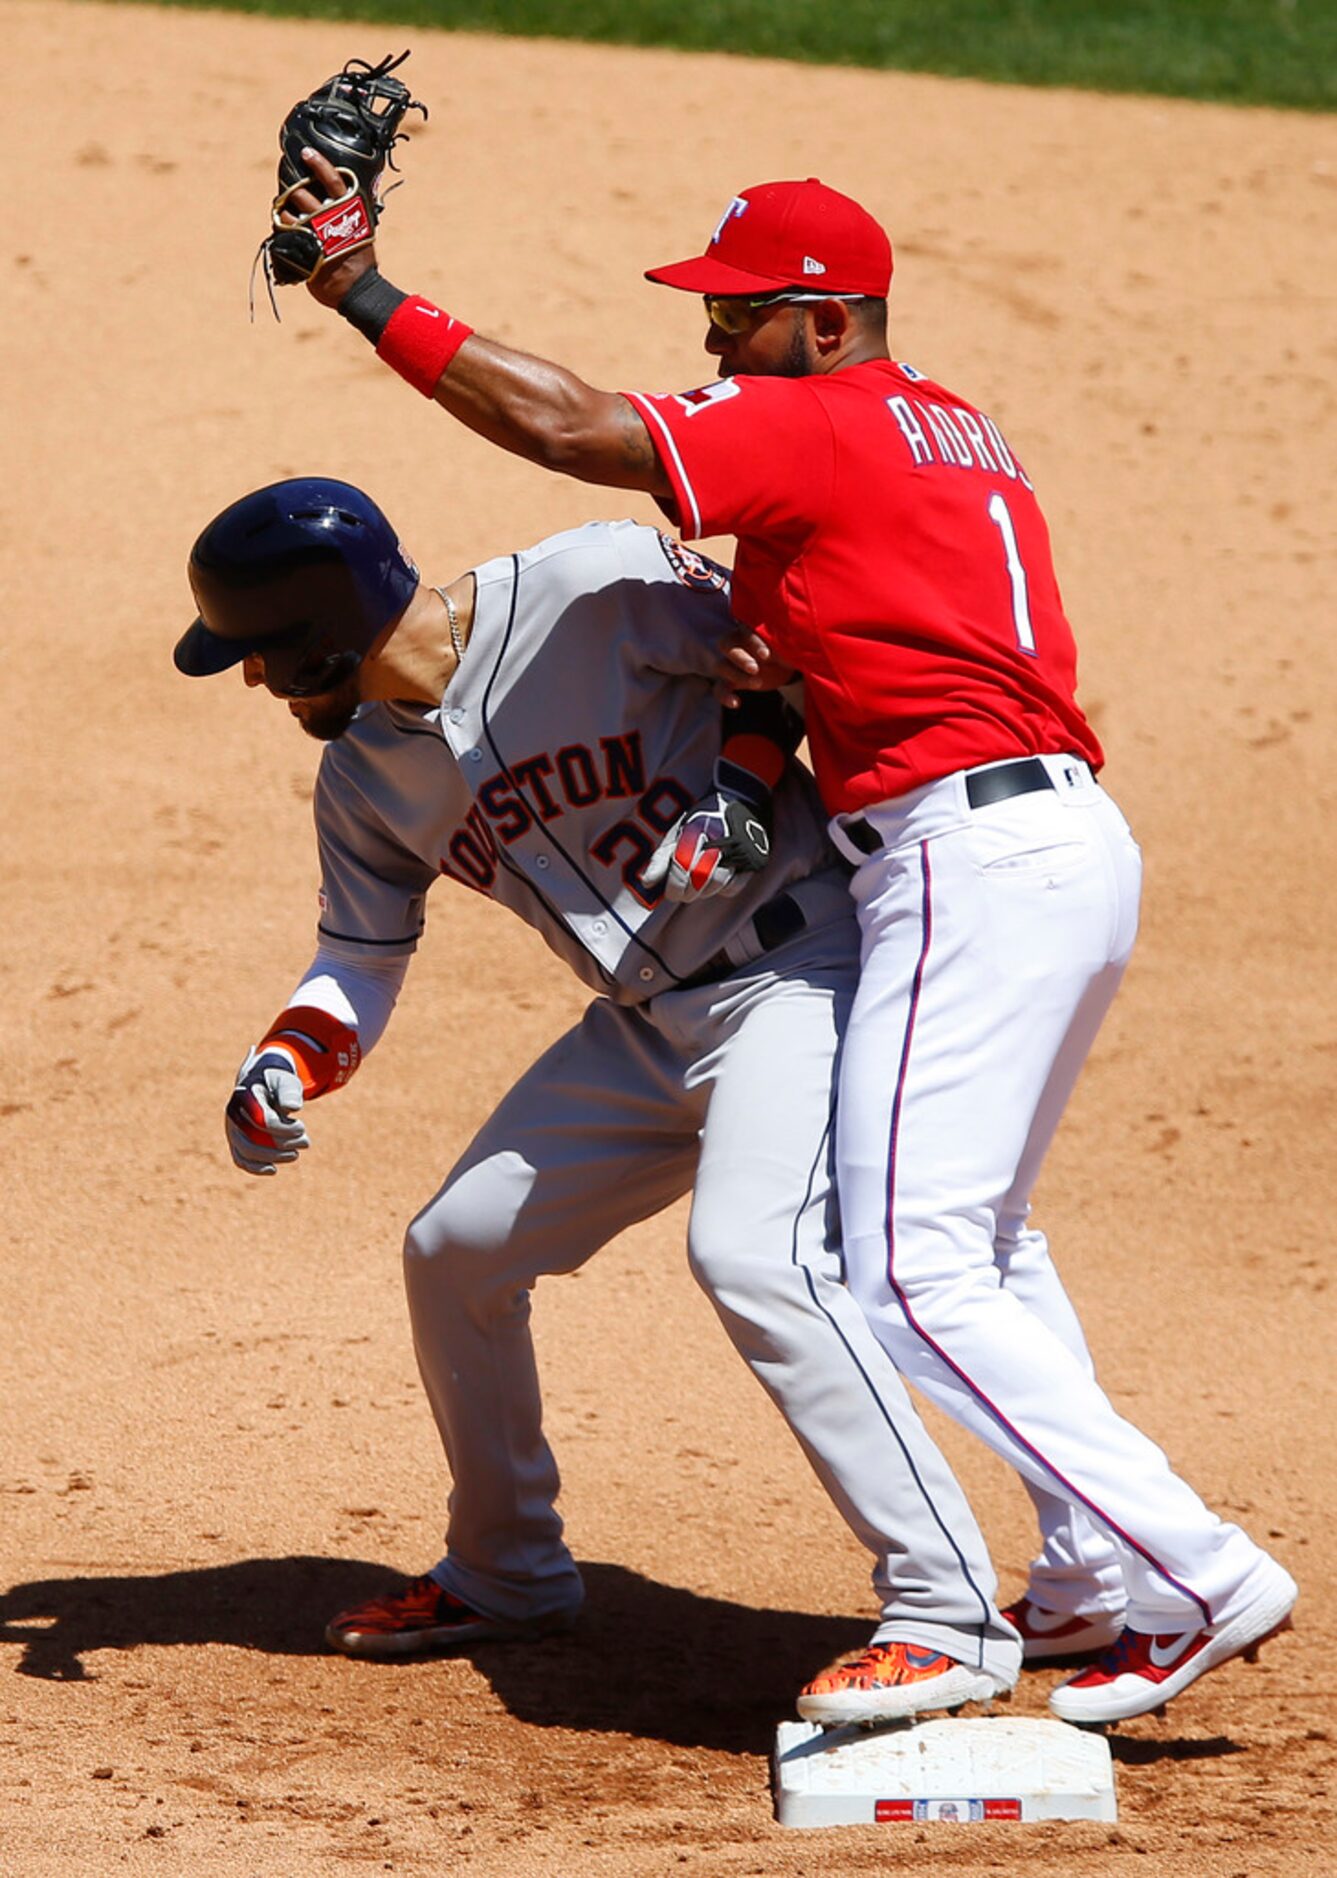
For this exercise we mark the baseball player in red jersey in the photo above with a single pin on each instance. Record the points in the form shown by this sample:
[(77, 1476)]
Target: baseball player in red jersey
[(891, 548)]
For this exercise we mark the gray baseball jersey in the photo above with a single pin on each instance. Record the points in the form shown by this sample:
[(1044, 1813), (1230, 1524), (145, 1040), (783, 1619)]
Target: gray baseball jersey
[(555, 763), (580, 723)]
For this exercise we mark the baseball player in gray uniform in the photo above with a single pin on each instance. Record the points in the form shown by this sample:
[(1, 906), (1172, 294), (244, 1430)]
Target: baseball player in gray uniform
[(542, 730)]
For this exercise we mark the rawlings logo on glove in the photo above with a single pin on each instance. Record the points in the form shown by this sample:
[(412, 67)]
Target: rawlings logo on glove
[(340, 230)]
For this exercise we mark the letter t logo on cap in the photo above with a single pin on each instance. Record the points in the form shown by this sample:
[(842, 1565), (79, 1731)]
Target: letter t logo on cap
[(737, 207)]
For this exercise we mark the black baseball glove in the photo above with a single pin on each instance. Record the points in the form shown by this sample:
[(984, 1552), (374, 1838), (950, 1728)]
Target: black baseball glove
[(353, 120)]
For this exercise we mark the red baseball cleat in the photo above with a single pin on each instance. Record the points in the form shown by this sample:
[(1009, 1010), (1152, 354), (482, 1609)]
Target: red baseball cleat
[(423, 1617), (1050, 1637), (890, 1680), (1141, 1672)]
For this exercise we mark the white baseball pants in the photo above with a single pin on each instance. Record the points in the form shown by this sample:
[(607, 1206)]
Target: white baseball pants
[(993, 941), (728, 1087)]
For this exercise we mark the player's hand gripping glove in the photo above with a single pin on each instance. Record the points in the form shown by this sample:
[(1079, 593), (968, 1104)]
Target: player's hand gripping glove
[(352, 120), (305, 1053), (727, 834)]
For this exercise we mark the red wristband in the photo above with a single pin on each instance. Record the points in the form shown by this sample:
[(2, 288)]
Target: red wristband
[(419, 342)]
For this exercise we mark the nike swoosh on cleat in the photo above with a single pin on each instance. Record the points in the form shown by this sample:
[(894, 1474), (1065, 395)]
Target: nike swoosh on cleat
[(1043, 1622), (1165, 1655)]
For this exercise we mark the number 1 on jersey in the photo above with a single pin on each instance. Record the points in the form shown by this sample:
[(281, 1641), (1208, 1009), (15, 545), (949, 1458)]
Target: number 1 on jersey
[(1001, 517)]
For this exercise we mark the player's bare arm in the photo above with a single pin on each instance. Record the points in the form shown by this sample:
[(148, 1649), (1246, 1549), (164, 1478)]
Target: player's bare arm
[(543, 412), (527, 405)]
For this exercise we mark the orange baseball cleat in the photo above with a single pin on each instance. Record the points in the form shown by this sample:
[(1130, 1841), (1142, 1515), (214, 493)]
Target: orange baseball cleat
[(892, 1680)]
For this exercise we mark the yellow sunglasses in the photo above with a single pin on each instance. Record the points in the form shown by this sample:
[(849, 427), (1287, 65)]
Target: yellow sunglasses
[(733, 314)]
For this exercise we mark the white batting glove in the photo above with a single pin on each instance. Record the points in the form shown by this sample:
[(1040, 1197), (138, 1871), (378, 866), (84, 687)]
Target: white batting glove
[(711, 849), (264, 1126)]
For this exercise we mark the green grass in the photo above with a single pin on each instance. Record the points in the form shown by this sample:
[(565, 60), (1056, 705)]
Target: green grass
[(1279, 52)]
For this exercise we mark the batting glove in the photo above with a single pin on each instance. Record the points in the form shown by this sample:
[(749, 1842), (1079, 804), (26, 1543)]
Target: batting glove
[(712, 848), (264, 1128)]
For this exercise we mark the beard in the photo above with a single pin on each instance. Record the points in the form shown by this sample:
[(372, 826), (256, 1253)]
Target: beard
[(794, 362), (327, 717)]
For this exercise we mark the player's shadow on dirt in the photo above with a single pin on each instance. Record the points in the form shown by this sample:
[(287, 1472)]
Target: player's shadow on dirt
[(657, 1661), (1134, 1751), (276, 1605), (645, 1659)]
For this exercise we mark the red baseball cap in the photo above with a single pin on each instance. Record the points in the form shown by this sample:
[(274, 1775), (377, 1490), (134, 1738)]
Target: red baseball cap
[(788, 235)]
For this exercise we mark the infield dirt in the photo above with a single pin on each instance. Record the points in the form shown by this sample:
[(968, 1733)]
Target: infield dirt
[(213, 1434)]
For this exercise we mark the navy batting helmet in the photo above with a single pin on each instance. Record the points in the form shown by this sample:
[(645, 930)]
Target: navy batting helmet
[(308, 572)]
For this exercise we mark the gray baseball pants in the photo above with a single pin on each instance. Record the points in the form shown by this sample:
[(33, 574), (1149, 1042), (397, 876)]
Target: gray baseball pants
[(727, 1089)]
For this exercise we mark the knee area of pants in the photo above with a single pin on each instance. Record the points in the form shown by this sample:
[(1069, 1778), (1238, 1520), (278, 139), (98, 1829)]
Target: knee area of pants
[(459, 1280), (707, 1259), (937, 1298), (733, 1264), (1020, 1250), (435, 1244)]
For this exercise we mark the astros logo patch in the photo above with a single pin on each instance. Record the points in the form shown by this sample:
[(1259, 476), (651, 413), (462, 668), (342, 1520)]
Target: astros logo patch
[(693, 569)]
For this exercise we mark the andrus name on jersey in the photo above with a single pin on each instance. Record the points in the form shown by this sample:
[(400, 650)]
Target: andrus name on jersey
[(551, 784), (955, 438)]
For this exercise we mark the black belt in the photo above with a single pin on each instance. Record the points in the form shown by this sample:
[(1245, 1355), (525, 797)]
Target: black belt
[(983, 786), (780, 919)]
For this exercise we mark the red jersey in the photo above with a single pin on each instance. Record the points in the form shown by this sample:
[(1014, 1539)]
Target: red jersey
[(890, 547)]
